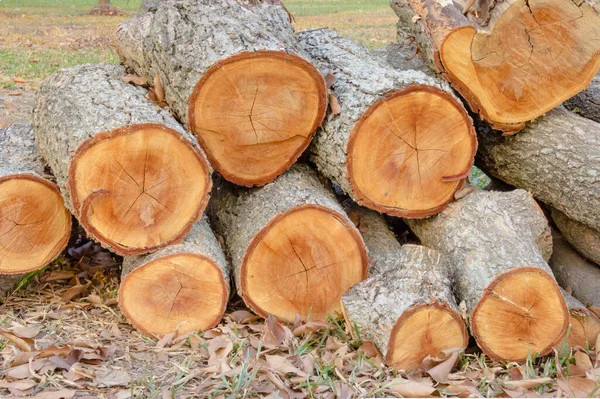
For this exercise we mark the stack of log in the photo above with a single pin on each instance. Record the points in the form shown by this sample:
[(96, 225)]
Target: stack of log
[(238, 91)]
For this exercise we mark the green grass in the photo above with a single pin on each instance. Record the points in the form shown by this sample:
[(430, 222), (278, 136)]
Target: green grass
[(320, 7), (63, 7)]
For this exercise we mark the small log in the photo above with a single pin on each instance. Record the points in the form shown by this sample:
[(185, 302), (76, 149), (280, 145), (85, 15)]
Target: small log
[(583, 238), (585, 325), (293, 249), (512, 60), (406, 308), (497, 240), (34, 224), (575, 274), (555, 158), (235, 76), (180, 288), (127, 170), (587, 103), (402, 143)]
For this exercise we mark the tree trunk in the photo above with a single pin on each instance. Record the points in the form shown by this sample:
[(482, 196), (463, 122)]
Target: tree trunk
[(293, 249), (34, 224), (587, 103), (372, 149), (408, 310), (497, 240), (585, 325), (127, 170), (555, 158), (148, 6), (576, 275), (181, 288), (235, 76), (511, 60), (583, 238)]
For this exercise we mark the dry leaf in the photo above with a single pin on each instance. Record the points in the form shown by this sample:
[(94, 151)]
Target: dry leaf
[(26, 332), (95, 299), (578, 387), (334, 104), (74, 292), (134, 79), (527, 384), (57, 275), (330, 80), (19, 80), (113, 378), (410, 388), (24, 371), (282, 365), (583, 361), (62, 394), (25, 344), (54, 351), (22, 385), (309, 327), (466, 190), (165, 340), (158, 89), (14, 94), (440, 372)]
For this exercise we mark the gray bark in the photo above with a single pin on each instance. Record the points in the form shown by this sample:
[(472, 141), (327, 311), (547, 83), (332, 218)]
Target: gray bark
[(583, 238), (423, 276), (239, 214), (8, 283), (587, 103), (556, 158), (148, 6), (403, 56), (487, 234), (576, 275)]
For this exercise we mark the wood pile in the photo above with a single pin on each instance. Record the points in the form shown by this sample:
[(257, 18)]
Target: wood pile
[(232, 80)]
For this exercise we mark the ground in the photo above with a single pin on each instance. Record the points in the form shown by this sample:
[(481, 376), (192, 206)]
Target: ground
[(62, 334)]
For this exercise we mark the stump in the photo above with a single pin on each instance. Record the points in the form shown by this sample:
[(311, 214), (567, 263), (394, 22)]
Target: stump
[(575, 274), (402, 143), (583, 238), (180, 288), (497, 240), (587, 103), (293, 249), (127, 170), (408, 310), (555, 158), (585, 325), (34, 224), (511, 60), (236, 76)]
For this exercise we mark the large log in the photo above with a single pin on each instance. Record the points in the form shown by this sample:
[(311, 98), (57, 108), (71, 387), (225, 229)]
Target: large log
[(496, 241), (134, 178), (585, 325), (180, 288), (236, 76), (575, 274), (583, 238), (402, 143), (587, 103), (293, 249), (511, 60), (406, 307), (555, 158), (34, 224)]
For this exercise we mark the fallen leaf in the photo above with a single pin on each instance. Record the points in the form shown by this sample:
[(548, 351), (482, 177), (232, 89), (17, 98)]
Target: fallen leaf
[(334, 104), (158, 89), (26, 332), (165, 340), (62, 394), (19, 80), (311, 326), (24, 371), (583, 361), (463, 192), (577, 387), (275, 333), (134, 79), (57, 275), (22, 385), (25, 344), (527, 384), (113, 378), (282, 365), (330, 79), (74, 292), (412, 389), (14, 94), (440, 372)]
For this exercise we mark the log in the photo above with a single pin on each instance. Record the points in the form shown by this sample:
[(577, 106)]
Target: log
[(407, 307), (575, 274), (496, 240), (402, 143), (235, 76), (34, 224), (587, 103), (555, 158), (583, 238), (511, 60), (180, 288), (293, 249), (127, 170), (585, 325)]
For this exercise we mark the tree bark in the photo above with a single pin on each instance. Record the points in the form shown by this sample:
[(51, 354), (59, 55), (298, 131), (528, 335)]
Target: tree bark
[(497, 241), (408, 311), (34, 224), (402, 143), (585, 325), (241, 83), (293, 249), (583, 238), (511, 60), (180, 288), (555, 158), (587, 103), (122, 164)]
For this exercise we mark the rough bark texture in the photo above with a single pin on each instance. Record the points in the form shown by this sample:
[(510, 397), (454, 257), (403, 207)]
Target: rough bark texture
[(403, 56), (583, 238), (587, 103), (555, 158), (575, 274), (422, 276), (148, 6)]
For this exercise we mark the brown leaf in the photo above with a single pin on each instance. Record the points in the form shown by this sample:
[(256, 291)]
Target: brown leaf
[(309, 327), (22, 385), (334, 104), (57, 275), (19, 80), (113, 378), (527, 384), (330, 80), (578, 387), (14, 94), (24, 371), (440, 372), (26, 332), (165, 340), (95, 299), (25, 344), (134, 79), (158, 89), (61, 394), (243, 316), (412, 389), (74, 292), (275, 330), (54, 351), (583, 360), (282, 365)]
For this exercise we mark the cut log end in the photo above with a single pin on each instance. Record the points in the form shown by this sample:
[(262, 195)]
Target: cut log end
[(180, 292), (585, 327), (410, 152), (138, 188), (538, 54), (34, 224), (255, 113), (319, 256), (522, 312), (440, 329)]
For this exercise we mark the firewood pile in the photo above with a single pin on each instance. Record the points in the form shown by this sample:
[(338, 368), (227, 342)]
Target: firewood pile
[(230, 154)]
